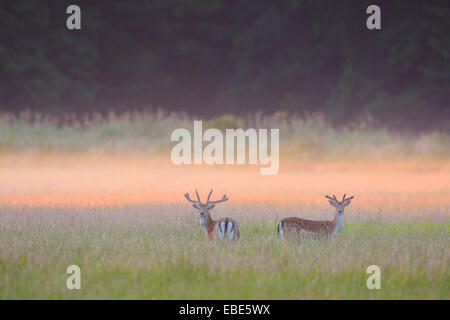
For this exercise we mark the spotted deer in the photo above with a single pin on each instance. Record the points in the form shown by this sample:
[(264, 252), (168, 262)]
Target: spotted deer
[(299, 226), (222, 229)]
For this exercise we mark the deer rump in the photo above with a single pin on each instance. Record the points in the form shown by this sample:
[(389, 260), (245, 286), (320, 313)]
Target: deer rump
[(224, 229), (297, 226)]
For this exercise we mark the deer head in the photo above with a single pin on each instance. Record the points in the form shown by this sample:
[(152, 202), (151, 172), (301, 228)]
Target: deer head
[(339, 205), (204, 208)]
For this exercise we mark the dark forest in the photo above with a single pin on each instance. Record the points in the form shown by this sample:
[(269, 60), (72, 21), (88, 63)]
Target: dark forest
[(210, 57)]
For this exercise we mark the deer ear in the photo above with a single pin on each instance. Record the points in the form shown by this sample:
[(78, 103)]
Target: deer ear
[(332, 203), (195, 206), (211, 206), (346, 203)]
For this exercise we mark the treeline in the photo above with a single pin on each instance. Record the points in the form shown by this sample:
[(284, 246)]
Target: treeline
[(210, 57)]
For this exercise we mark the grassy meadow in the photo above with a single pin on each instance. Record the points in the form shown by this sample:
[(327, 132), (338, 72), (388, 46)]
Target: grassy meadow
[(101, 193)]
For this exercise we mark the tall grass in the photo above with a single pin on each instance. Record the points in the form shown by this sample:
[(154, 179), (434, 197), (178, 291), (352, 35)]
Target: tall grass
[(149, 133), (125, 223), (159, 252)]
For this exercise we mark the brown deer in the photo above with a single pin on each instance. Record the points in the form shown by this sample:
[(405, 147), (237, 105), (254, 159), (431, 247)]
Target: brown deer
[(298, 226), (222, 229)]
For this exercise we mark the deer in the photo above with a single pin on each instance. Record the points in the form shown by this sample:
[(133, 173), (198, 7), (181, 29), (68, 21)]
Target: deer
[(299, 226), (222, 229)]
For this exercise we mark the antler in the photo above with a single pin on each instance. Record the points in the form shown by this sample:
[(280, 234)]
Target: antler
[(344, 199), (198, 197), (332, 199), (188, 197), (224, 198), (209, 195)]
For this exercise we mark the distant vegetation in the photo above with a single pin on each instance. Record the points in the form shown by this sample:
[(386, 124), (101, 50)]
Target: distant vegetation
[(216, 56), (149, 132)]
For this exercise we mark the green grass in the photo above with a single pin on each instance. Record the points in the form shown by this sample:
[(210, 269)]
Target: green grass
[(149, 133), (160, 252)]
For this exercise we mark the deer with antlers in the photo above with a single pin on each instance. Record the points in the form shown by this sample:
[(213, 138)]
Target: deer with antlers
[(298, 226), (222, 229)]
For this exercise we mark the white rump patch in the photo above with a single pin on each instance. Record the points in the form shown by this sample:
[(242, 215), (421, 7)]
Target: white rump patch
[(222, 230), (280, 229), (230, 231)]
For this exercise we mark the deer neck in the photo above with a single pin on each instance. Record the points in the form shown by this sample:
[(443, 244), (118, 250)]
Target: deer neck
[(338, 222), (206, 222)]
